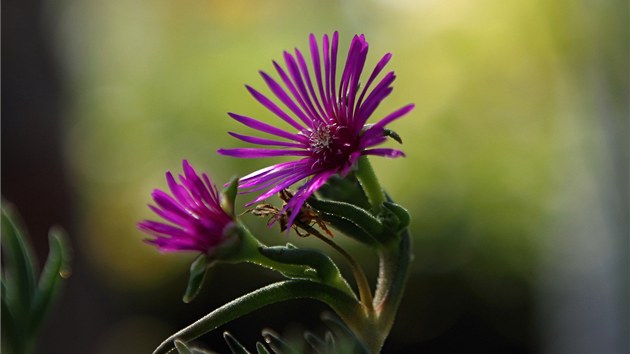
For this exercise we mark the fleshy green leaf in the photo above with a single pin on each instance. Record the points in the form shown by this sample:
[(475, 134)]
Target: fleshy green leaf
[(331, 345), (353, 221), (235, 346), (198, 270), (181, 347), (260, 348), (344, 305), (12, 340), (327, 270), (277, 345), (318, 345), (349, 229), (57, 266), (344, 189), (20, 267), (325, 267), (351, 212), (401, 214), (228, 195), (346, 341), (24, 303)]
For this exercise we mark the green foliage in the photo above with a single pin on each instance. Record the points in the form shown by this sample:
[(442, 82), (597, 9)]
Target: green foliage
[(326, 269), (366, 319), (228, 195), (26, 300), (337, 339), (347, 190), (198, 270), (183, 348)]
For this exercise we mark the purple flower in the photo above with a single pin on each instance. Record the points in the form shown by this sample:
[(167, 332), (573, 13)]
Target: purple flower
[(196, 219), (328, 122)]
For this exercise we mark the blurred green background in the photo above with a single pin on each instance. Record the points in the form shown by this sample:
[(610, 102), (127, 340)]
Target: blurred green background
[(516, 172)]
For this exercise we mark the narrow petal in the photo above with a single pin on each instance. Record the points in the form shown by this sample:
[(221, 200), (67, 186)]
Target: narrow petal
[(169, 216), (263, 127), (392, 116), (167, 203), (263, 141), (333, 63), (284, 184), (265, 177), (380, 92), (296, 77), (327, 84), (197, 187), (273, 108), (307, 78), (377, 70), (160, 229), (277, 90), (385, 152), (180, 194), (304, 192), (272, 170), (355, 75), (257, 152), (317, 66)]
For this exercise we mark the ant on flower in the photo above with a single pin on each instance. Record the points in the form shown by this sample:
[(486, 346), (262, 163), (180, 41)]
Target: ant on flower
[(305, 220)]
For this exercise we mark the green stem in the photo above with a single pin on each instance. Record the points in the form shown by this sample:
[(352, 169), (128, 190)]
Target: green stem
[(365, 294), (345, 306), (393, 274), (366, 176)]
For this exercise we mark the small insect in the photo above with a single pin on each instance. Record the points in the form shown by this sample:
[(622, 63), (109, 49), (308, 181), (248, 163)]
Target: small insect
[(305, 220)]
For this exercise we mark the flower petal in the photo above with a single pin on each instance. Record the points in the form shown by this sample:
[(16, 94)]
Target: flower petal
[(273, 107), (385, 152), (263, 141), (263, 127), (258, 152)]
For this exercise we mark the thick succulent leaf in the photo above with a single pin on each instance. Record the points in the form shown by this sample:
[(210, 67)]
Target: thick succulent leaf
[(228, 196), (401, 214), (331, 345), (235, 346), (343, 304), (351, 220), (19, 265), (181, 347), (325, 269), (57, 267), (198, 270), (344, 340), (24, 302), (321, 263), (12, 338), (349, 229), (344, 189), (349, 211), (318, 345), (261, 349), (276, 343)]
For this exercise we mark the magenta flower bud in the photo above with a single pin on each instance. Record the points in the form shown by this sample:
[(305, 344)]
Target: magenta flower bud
[(194, 218)]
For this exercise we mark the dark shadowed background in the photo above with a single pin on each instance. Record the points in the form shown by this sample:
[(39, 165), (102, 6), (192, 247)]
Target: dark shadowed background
[(516, 172)]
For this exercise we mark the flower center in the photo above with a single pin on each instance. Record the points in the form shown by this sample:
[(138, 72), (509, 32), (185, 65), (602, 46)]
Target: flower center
[(330, 145), (321, 138)]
